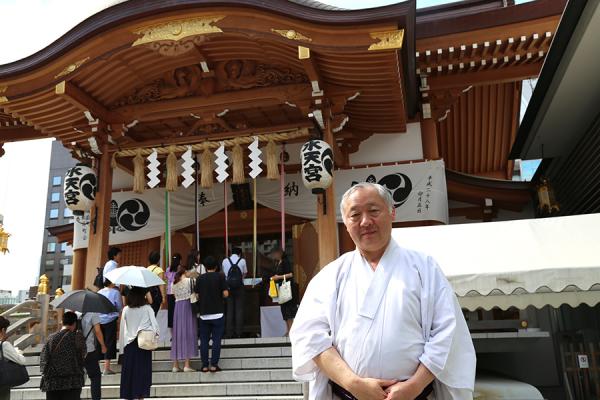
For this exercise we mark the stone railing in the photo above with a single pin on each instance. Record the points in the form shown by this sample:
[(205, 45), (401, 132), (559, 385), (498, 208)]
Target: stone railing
[(32, 320)]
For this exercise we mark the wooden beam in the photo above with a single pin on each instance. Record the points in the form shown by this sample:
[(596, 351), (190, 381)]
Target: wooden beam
[(78, 98), (19, 133), (326, 217), (98, 243), (176, 140), (237, 100), (490, 76)]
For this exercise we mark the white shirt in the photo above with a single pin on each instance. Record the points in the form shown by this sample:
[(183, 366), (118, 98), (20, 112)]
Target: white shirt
[(242, 264), (384, 323), (12, 353), (200, 268), (134, 320), (88, 321), (109, 266)]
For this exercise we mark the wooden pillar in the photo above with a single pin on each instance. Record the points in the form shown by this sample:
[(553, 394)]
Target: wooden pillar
[(326, 222), (98, 243), (78, 274), (429, 139)]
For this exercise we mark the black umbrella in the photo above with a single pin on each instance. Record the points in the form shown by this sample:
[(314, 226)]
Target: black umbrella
[(84, 301)]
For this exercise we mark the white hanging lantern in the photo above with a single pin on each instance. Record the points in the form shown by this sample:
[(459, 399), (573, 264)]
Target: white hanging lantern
[(317, 165), (80, 189)]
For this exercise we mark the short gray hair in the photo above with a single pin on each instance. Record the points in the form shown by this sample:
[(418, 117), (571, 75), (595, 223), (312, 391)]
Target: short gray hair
[(383, 192)]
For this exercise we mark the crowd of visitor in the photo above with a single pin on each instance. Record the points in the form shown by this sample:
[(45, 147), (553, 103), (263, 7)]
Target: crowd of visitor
[(204, 300)]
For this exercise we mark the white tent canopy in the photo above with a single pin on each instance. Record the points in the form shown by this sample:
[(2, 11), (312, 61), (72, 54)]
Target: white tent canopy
[(537, 262)]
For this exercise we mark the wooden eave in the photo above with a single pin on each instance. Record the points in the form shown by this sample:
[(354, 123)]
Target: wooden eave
[(62, 233), (474, 15), (471, 57), (94, 65), (508, 195)]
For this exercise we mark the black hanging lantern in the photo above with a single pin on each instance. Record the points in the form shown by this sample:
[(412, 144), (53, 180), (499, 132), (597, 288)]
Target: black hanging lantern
[(317, 165), (80, 189)]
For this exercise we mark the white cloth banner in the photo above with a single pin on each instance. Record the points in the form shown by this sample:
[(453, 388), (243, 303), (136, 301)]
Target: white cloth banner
[(419, 192), (135, 216)]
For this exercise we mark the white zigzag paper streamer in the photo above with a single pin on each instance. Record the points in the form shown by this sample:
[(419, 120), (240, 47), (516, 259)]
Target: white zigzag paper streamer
[(188, 168), (255, 157), (221, 162), (153, 164)]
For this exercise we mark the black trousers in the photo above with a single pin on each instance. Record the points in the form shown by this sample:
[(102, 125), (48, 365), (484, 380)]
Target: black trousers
[(235, 313), (71, 394), (93, 372)]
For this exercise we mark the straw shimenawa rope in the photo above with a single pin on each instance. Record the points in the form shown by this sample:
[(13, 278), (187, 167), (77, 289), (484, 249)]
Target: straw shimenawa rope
[(139, 178), (172, 173), (206, 169), (238, 164), (275, 137), (272, 161)]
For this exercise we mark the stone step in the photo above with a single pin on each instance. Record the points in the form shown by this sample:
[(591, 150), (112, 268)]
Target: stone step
[(230, 352), (290, 390), (237, 376), (225, 364), (245, 342)]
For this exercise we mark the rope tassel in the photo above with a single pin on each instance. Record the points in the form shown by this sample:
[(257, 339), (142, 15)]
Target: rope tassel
[(272, 161), (238, 164), (172, 173), (206, 169), (139, 181)]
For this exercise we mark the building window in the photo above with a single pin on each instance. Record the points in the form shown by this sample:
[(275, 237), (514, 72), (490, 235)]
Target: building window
[(49, 263), (54, 213), (65, 261), (66, 280), (67, 213), (63, 247), (51, 247), (55, 197), (56, 180)]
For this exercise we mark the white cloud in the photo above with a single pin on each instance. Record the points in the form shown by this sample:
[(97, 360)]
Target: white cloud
[(24, 173)]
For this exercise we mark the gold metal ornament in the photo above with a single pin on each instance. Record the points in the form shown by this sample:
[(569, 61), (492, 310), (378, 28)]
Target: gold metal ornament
[(178, 29), (4, 240), (71, 68), (44, 285), (292, 35), (59, 292), (387, 40)]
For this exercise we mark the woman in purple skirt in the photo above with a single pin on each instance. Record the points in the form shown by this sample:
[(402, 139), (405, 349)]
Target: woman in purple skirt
[(185, 340)]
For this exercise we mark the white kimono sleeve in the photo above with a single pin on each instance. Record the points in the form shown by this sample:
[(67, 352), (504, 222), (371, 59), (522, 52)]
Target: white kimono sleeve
[(449, 353), (312, 331)]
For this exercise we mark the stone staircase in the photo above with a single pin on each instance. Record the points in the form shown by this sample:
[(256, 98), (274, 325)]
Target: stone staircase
[(253, 369)]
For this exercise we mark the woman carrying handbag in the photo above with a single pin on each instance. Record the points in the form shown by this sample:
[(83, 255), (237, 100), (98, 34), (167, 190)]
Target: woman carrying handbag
[(284, 279), (138, 336), (11, 363)]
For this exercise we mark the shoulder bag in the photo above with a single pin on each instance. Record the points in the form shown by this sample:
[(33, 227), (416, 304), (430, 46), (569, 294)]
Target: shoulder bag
[(194, 298), (148, 339), (285, 291), (11, 373)]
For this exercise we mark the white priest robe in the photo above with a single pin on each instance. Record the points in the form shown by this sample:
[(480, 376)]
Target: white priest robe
[(384, 323)]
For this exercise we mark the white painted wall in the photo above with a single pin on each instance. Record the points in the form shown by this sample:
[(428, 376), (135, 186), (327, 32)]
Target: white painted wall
[(381, 148)]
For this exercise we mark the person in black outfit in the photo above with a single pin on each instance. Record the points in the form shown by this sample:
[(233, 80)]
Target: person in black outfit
[(235, 270), (283, 269), (212, 290)]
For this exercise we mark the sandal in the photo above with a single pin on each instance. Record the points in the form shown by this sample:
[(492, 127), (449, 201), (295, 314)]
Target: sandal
[(215, 368), (204, 369)]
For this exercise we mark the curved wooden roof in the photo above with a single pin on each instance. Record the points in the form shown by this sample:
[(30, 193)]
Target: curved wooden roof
[(472, 57), (151, 70)]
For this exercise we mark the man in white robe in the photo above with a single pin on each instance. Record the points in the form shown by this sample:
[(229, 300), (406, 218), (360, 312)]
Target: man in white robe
[(381, 322)]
